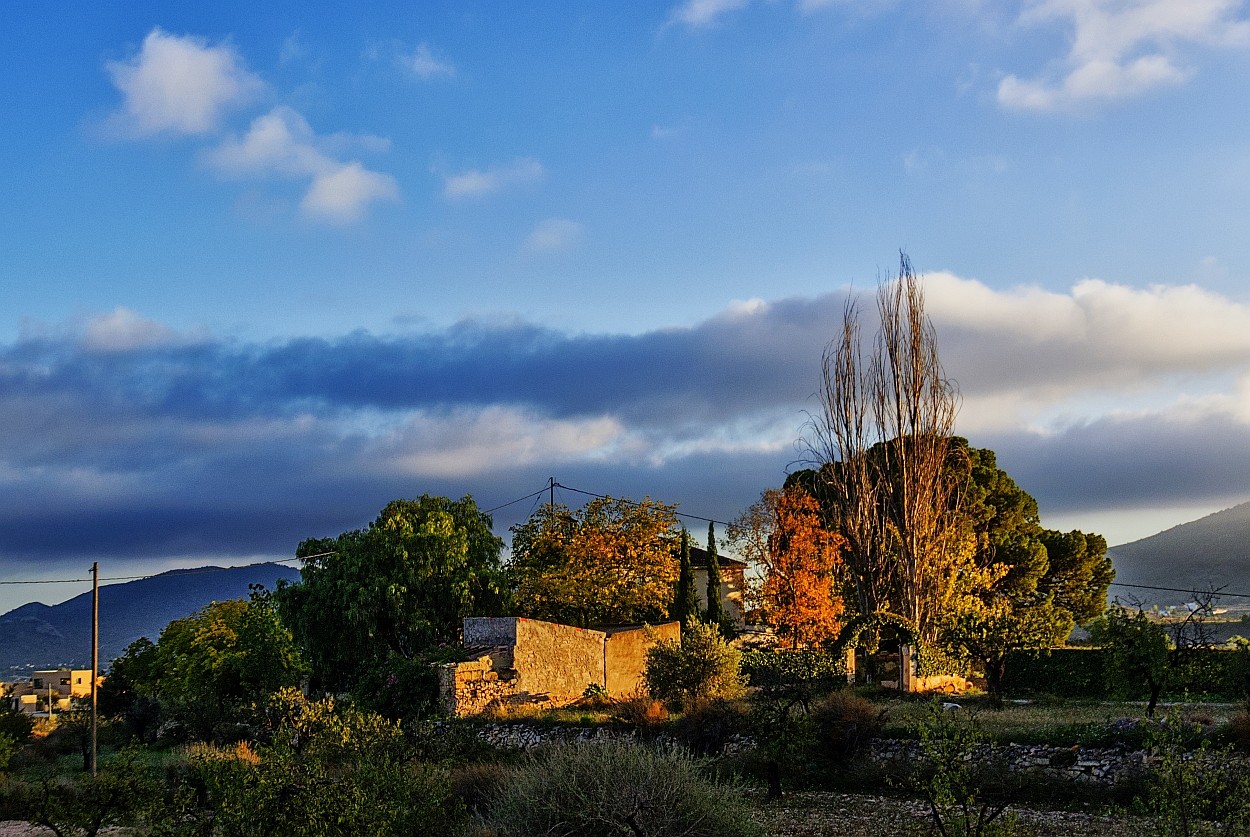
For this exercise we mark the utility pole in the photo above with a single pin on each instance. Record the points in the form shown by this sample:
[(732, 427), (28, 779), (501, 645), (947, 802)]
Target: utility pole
[(95, 657), (551, 492)]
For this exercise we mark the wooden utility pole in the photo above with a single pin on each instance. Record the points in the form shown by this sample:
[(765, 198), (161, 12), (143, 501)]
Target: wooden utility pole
[(95, 657)]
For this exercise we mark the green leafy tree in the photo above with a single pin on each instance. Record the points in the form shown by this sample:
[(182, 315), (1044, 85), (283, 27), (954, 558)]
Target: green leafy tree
[(393, 590), (715, 608), (1136, 652), (686, 599), (609, 562), (701, 666), (217, 665), (129, 692)]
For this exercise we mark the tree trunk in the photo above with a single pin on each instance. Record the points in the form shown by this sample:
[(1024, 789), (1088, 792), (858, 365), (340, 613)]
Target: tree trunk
[(774, 781), (994, 672)]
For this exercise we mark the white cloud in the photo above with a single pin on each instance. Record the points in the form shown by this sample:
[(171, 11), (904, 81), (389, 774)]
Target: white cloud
[(697, 13), (1029, 357), (343, 193), (553, 235), (423, 64), (471, 442), (1121, 48), (477, 183), (282, 143), (179, 85), (122, 330)]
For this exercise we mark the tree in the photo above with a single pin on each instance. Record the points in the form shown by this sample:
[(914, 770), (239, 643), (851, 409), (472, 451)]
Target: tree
[(206, 671), (128, 694), (715, 608), (686, 598), (609, 562), (801, 561), (884, 432), (1012, 585), (392, 590), (1078, 572), (1136, 652)]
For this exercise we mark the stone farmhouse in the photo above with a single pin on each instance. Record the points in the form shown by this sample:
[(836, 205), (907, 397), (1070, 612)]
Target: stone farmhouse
[(732, 583), (528, 661)]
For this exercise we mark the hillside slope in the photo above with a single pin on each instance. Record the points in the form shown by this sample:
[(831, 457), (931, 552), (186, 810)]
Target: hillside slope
[(36, 635), (1211, 552)]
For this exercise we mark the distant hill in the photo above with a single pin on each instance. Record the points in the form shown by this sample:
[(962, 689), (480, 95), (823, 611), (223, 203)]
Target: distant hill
[(1211, 552), (36, 636)]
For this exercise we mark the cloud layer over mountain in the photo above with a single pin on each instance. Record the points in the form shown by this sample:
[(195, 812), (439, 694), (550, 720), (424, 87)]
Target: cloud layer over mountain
[(127, 438)]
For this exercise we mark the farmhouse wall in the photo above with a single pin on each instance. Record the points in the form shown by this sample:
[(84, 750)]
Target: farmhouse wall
[(558, 660), (625, 655), (544, 663)]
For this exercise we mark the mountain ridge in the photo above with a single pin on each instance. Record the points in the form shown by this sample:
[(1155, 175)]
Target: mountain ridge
[(35, 635), (1212, 552)]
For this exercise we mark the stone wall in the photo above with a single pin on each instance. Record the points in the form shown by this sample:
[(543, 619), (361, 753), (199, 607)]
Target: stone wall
[(557, 660), (543, 663), (468, 688), (625, 655)]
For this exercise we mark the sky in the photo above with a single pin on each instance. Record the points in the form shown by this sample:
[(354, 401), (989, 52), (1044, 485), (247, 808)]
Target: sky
[(264, 267)]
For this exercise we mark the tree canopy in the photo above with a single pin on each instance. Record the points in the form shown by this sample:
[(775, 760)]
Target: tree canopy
[(393, 589), (609, 562), (800, 591)]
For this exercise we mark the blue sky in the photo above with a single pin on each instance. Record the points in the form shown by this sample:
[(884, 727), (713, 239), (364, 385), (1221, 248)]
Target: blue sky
[(267, 266)]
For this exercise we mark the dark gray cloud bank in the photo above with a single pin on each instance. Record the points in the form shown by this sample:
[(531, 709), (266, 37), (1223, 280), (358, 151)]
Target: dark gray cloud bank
[(205, 449)]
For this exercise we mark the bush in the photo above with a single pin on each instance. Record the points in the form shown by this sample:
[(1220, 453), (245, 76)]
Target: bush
[(963, 778), (709, 727), (616, 790), (701, 667), (640, 711), (475, 784), (1194, 791), (842, 723), (328, 771)]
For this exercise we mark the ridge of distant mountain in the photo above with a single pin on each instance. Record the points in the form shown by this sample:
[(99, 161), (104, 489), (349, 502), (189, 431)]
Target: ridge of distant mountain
[(1204, 554), (36, 636)]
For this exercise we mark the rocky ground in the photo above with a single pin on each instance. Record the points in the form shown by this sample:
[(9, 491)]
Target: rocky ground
[(826, 814)]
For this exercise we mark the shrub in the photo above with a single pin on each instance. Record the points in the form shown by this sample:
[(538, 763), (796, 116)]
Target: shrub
[(963, 778), (329, 771), (701, 667), (616, 789), (1194, 791), (710, 726), (640, 711), (474, 784), (842, 723), (1238, 732)]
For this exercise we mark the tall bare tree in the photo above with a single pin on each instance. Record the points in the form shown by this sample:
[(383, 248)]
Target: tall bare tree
[(882, 436)]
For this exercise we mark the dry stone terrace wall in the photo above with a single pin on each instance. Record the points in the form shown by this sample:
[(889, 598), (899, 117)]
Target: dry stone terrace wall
[(543, 663)]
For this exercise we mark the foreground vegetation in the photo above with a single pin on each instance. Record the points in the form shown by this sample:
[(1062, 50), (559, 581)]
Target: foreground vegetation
[(324, 768)]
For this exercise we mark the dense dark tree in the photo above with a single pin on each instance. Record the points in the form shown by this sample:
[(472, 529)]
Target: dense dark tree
[(685, 599), (715, 608), (392, 590)]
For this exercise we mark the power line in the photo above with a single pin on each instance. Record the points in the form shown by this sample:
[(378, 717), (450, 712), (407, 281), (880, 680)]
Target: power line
[(1216, 593), (636, 503), (514, 502)]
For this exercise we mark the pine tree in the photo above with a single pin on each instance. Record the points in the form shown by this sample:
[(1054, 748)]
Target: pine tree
[(686, 600), (715, 609)]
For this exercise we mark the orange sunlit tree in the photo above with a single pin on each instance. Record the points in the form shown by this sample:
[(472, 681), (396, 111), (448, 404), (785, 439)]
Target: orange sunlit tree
[(801, 565)]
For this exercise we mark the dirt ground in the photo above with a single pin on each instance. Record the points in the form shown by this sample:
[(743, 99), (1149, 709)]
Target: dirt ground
[(826, 814), (821, 814)]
